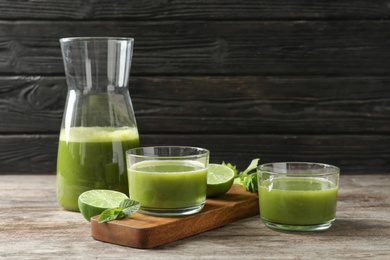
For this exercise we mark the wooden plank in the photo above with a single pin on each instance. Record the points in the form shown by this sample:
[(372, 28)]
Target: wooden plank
[(211, 47), (193, 9), (33, 226), (262, 105), (31, 104), (358, 154), (216, 105), (142, 231), (354, 154), (28, 154)]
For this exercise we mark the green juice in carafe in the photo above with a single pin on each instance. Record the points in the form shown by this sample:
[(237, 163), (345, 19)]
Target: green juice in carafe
[(92, 158)]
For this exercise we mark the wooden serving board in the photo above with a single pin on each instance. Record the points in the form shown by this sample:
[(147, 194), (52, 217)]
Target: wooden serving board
[(143, 231)]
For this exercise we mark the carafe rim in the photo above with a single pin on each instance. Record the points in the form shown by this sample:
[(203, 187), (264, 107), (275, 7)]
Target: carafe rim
[(97, 38)]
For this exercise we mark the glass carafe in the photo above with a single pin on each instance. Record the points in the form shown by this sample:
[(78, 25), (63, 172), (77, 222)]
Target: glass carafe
[(98, 124)]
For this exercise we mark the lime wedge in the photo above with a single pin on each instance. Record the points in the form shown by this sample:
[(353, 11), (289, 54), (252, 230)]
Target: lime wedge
[(219, 180), (94, 202)]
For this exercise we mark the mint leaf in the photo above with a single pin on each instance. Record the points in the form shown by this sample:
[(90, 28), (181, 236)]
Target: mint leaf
[(129, 207), (110, 214), (248, 177), (128, 203), (250, 182), (252, 166), (126, 208)]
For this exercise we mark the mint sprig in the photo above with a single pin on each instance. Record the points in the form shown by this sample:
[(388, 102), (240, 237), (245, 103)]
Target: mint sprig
[(248, 177), (126, 208)]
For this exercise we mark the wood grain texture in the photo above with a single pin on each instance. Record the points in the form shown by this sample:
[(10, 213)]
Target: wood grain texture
[(301, 80), (31, 104), (211, 48), (142, 231), (33, 226), (262, 105), (28, 154), (216, 105), (354, 154), (193, 9)]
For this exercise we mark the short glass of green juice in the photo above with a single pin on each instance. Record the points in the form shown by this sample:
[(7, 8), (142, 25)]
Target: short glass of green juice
[(298, 196), (168, 180)]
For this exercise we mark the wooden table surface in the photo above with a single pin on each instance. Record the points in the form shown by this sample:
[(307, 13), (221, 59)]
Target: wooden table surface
[(34, 226)]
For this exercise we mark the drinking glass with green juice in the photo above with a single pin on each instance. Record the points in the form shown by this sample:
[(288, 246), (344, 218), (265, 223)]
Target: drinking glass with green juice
[(168, 180), (98, 124), (298, 196)]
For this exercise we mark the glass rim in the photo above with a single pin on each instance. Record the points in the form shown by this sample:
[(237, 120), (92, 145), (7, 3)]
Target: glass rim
[(203, 152), (95, 38), (329, 169)]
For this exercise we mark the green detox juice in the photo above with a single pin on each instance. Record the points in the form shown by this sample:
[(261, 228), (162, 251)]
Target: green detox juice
[(92, 158), (168, 184), (297, 201)]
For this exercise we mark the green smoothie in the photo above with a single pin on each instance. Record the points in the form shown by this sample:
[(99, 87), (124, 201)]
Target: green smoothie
[(92, 158), (168, 184), (298, 201)]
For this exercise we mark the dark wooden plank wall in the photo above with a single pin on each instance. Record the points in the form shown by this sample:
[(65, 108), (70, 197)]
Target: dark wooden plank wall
[(279, 80)]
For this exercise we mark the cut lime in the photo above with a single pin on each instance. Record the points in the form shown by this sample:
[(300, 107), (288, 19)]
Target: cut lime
[(94, 202), (219, 180)]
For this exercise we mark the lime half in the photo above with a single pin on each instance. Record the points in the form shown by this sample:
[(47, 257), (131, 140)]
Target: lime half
[(94, 202), (219, 180)]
